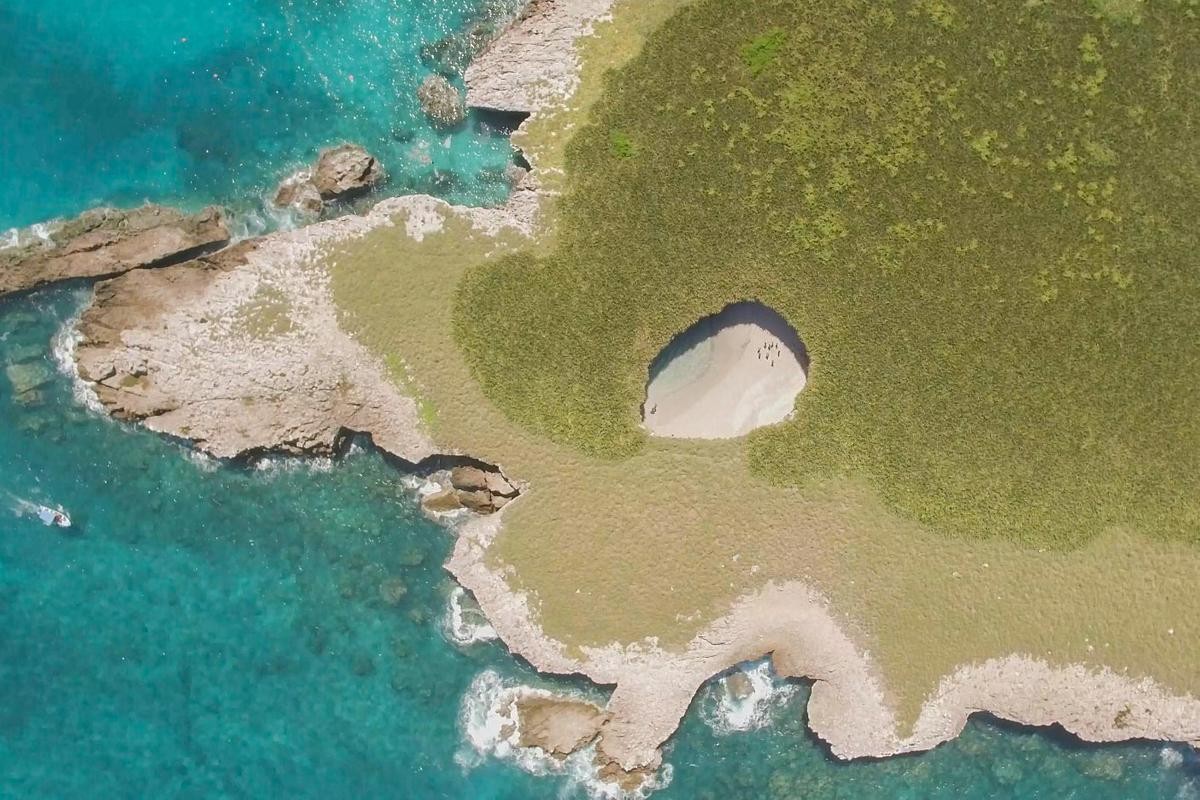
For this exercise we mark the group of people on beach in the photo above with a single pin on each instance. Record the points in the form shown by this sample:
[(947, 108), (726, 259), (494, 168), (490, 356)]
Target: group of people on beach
[(769, 351)]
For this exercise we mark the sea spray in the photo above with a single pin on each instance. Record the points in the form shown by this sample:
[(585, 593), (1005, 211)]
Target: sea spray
[(465, 623), (727, 712), (62, 350), (491, 729)]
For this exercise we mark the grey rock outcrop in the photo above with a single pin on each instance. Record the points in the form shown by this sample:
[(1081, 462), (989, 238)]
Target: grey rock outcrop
[(105, 242), (441, 101), (341, 173), (241, 352), (346, 170), (558, 725), (482, 491)]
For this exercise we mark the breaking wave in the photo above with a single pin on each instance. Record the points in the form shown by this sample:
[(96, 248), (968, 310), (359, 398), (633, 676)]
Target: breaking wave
[(491, 729), (746, 699)]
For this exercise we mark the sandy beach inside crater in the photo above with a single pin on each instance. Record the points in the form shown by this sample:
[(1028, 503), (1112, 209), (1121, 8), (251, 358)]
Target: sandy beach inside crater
[(728, 374)]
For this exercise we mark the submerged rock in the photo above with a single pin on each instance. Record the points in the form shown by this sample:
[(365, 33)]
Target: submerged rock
[(26, 380), (441, 101), (392, 591), (454, 52), (558, 725), (105, 242)]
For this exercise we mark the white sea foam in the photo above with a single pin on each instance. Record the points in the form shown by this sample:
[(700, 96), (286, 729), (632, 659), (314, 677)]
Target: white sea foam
[(287, 464), (203, 461), (247, 225), (726, 713), (1170, 757), (491, 728), (62, 348), (41, 230), (465, 623), (10, 238)]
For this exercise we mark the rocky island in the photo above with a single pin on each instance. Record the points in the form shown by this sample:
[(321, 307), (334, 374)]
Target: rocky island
[(855, 538)]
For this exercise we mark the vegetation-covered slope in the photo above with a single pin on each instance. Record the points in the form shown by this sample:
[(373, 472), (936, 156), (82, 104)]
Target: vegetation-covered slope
[(981, 217)]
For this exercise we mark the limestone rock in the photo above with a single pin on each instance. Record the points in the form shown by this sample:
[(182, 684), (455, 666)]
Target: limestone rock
[(480, 501), (346, 170), (515, 175), (441, 502), (441, 102), (626, 780), (105, 242), (197, 351), (558, 725), (297, 191), (482, 491), (470, 478)]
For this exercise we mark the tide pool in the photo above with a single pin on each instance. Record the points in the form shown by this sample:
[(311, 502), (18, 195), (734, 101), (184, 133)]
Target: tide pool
[(188, 103), (211, 630)]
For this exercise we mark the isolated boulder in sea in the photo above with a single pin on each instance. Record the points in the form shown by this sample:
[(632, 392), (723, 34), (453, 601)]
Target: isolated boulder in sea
[(441, 102), (558, 725), (297, 191), (105, 242), (344, 171)]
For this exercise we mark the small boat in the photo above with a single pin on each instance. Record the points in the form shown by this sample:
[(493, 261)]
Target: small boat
[(53, 517)]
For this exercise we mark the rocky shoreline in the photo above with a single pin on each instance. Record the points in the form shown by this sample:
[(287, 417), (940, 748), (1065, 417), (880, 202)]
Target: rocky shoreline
[(242, 352), (105, 242)]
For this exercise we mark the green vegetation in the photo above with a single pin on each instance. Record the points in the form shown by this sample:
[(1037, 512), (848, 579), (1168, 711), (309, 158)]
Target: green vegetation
[(659, 542), (620, 143), (979, 216), (762, 50)]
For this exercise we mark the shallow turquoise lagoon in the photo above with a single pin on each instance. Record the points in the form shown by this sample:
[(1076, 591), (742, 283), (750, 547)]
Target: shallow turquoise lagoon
[(221, 631), (190, 103)]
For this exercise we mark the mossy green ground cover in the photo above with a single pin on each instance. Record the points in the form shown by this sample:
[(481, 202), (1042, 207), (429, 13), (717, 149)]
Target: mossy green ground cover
[(980, 217), (660, 542)]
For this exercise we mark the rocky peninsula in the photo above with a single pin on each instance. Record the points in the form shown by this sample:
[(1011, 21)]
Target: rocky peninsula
[(105, 242), (245, 350)]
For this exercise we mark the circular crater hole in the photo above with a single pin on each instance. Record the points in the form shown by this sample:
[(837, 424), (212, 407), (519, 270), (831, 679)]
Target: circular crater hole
[(726, 375)]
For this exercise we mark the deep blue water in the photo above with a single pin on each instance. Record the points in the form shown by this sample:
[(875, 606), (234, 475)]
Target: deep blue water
[(210, 630), (190, 103)]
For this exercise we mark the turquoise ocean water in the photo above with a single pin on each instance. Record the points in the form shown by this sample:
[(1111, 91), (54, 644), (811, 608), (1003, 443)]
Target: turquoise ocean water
[(190, 103), (213, 630)]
